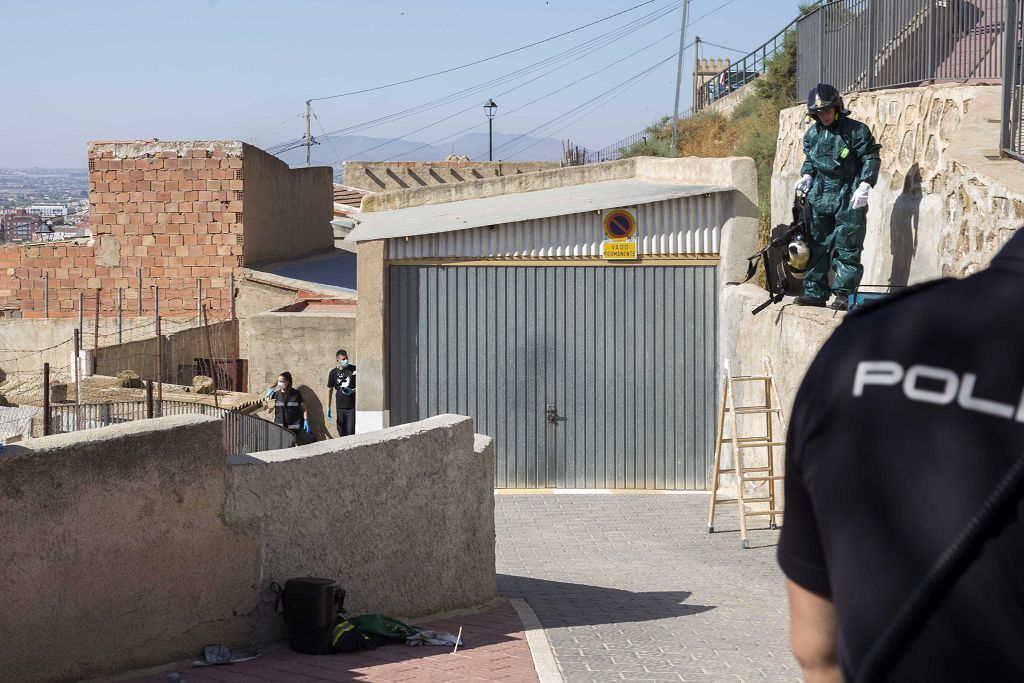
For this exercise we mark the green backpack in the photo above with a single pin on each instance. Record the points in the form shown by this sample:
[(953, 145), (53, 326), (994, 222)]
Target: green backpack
[(383, 628)]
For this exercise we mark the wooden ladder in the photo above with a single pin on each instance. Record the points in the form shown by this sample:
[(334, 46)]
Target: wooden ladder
[(770, 440)]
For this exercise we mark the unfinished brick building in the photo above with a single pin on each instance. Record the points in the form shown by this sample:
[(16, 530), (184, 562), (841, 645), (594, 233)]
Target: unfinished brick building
[(178, 216)]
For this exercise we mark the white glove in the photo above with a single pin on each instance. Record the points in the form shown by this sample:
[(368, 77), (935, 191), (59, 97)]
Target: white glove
[(860, 196), (804, 184)]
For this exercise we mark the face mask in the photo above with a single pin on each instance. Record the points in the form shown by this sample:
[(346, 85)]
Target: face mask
[(344, 363), (280, 386)]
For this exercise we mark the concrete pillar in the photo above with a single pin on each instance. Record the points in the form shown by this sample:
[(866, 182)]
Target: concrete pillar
[(371, 394)]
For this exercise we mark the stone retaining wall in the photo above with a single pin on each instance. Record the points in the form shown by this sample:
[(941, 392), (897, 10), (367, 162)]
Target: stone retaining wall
[(135, 545)]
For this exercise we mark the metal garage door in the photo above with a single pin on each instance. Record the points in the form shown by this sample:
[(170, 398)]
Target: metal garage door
[(586, 377)]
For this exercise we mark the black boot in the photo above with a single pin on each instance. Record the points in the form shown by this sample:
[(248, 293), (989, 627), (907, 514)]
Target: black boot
[(839, 304), (809, 301)]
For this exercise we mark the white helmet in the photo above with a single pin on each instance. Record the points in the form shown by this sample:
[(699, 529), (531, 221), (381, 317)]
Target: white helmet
[(797, 256)]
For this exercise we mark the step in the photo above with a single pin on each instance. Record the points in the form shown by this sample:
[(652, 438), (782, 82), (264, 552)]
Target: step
[(759, 444), (722, 501), (749, 410), (763, 513), (777, 477), (750, 378)]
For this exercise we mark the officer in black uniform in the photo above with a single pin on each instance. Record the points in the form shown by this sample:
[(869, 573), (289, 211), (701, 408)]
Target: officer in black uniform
[(289, 409), (342, 379), (908, 418)]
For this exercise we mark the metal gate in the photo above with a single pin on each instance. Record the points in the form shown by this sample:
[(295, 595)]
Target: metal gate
[(586, 376)]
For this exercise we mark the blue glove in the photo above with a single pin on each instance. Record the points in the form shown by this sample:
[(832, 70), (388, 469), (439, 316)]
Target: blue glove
[(305, 425), (270, 392), (328, 411), (345, 391)]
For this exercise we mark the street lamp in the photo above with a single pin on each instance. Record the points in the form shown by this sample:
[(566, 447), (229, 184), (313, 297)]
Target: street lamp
[(489, 109)]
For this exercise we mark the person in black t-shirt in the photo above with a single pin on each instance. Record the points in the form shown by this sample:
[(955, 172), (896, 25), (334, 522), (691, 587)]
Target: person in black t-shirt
[(342, 379), (911, 414)]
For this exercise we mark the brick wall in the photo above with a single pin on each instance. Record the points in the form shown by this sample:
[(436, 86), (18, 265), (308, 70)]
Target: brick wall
[(173, 211)]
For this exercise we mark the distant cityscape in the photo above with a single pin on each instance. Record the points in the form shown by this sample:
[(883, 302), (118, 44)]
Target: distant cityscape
[(43, 204)]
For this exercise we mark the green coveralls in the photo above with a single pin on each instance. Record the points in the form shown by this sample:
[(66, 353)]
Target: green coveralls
[(839, 158)]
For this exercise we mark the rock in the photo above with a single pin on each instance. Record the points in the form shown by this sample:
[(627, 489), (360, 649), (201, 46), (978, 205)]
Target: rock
[(202, 384), (129, 379)]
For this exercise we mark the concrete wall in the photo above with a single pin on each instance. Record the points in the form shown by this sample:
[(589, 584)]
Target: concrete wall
[(371, 389), (134, 545), (255, 297), (409, 512), (304, 344), (288, 212), (26, 344), (527, 182), (945, 202), (378, 176), (726, 105), (179, 348), (116, 553)]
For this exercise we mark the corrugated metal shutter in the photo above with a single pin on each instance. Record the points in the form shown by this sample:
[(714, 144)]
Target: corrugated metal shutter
[(678, 227), (626, 355)]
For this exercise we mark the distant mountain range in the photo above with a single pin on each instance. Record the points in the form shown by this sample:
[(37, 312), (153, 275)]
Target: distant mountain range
[(357, 147)]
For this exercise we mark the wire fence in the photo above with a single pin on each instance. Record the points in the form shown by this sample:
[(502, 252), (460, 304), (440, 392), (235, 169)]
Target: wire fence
[(17, 420), (859, 45)]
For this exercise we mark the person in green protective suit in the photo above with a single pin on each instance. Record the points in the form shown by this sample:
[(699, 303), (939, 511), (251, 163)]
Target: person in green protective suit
[(840, 169)]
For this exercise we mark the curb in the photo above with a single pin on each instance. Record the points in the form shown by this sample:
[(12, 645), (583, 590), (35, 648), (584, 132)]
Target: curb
[(543, 656)]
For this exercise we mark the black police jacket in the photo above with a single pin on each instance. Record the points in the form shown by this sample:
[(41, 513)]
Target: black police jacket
[(288, 409), (905, 422)]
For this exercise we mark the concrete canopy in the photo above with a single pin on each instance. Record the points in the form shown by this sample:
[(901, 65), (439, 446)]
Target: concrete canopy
[(520, 206)]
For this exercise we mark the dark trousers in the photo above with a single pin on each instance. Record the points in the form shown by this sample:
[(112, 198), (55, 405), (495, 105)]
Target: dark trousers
[(346, 422)]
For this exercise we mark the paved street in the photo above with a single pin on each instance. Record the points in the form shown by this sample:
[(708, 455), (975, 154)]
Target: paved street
[(632, 587)]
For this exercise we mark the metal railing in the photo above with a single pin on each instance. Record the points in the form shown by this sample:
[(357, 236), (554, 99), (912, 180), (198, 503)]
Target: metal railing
[(1012, 137), (242, 433), (741, 72), (614, 150), (859, 45)]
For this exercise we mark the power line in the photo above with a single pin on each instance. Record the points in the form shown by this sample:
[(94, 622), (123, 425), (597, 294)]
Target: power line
[(486, 59), (284, 147), (512, 111), (273, 128), (643, 73), (531, 102), (337, 157), (582, 49), (723, 47), (710, 12)]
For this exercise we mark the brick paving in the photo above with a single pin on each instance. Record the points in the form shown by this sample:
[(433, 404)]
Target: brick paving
[(495, 650), (632, 587)]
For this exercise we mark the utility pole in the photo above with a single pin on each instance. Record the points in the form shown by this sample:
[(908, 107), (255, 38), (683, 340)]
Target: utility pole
[(696, 68), (309, 138), (679, 80)]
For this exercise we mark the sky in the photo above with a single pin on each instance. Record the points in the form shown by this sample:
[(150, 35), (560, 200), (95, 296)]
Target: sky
[(76, 71)]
